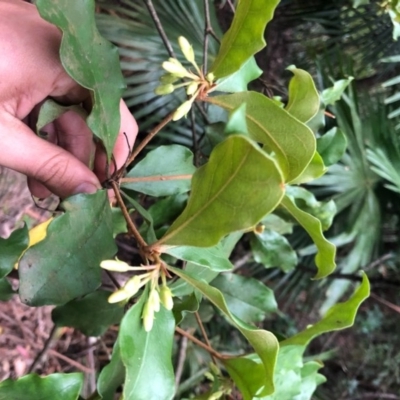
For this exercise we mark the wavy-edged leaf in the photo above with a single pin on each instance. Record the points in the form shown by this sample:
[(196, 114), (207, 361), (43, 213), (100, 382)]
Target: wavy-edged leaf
[(325, 257), (314, 170), (246, 297), (292, 142), (90, 60), (332, 146), (331, 95), (245, 37), (147, 355), (65, 264), (11, 249), (238, 81), (273, 250), (238, 186), (304, 99), (264, 343), (340, 316), (165, 171), (112, 376), (92, 314), (54, 387), (211, 257)]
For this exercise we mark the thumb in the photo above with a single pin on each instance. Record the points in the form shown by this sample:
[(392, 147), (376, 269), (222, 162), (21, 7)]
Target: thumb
[(59, 171)]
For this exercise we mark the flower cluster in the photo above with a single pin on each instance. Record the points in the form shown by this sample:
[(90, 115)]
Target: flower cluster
[(157, 295), (195, 83)]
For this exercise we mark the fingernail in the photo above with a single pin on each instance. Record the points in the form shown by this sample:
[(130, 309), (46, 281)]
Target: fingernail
[(86, 187)]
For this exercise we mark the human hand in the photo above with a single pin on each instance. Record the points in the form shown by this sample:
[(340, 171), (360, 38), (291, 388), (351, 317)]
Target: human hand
[(30, 72)]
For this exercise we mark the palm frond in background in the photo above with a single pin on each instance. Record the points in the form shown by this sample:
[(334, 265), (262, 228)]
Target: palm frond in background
[(130, 27)]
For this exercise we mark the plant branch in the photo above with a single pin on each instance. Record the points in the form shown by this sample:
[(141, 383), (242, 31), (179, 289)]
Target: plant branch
[(181, 360), (46, 347), (150, 136), (141, 242), (155, 178), (194, 138), (159, 27), (204, 333), (201, 344)]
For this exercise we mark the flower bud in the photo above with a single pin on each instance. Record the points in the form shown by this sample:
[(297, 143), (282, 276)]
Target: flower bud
[(132, 285), (168, 78), (154, 300), (174, 67), (182, 110), (164, 89), (217, 395), (115, 265), (166, 297), (192, 87), (187, 49), (210, 77), (118, 296), (148, 317)]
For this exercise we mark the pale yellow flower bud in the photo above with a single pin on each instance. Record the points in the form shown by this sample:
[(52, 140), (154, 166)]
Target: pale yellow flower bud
[(119, 295), (182, 110), (154, 300), (168, 78), (187, 49), (192, 87), (166, 297), (115, 265), (217, 395), (148, 317), (132, 286), (173, 66), (164, 89), (210, 77)]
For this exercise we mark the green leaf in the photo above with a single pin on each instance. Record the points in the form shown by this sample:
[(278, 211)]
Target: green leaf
[(188, 304), (50, 110), (245, 37), (332, 146), (165, 171), (147, 355), (11, 249), (292, 142), (303, 96), (331, 95), (340, 316), (238, 81), (91, 61), (237, 122), (273, 250), (92, 314), (237, 187), (54, 387), (210, 257), (314, 170), (112, 376), (118, 221), (246, 298), (6, 290), (248, 375), (264, 343), (293, 379), (65, 264), (325, 257), (306, 201), (205, 274)]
